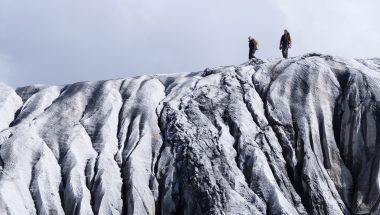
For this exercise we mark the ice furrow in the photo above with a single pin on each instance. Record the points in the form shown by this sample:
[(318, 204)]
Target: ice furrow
[(10, 103), (140, 137), (101, 125), (259, 159), (36, 104)]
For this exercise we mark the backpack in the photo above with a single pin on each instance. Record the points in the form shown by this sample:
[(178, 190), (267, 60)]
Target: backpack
[(253, 43), (290, 41), (256, 44)]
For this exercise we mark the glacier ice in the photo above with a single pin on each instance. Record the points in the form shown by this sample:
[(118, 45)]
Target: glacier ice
[(281, 136)]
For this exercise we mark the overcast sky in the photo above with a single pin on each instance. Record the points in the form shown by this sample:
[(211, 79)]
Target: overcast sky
[(64, 41)]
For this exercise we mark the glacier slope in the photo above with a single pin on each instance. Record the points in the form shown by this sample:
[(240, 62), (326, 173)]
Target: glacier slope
[(294, 136)]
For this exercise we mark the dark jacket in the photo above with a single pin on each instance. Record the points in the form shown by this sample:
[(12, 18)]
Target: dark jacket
[(252, 44), (286, 41)]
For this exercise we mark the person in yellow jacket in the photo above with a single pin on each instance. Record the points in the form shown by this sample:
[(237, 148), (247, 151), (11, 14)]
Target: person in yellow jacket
[(253, 46)]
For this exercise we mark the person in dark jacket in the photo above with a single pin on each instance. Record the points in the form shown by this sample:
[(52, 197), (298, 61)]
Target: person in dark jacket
[(285, 43), (253, 46)]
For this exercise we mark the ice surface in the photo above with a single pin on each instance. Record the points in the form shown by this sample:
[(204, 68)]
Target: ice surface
[(294, 136)]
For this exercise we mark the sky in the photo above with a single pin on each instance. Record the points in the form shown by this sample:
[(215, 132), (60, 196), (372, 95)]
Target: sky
[(54, 42)]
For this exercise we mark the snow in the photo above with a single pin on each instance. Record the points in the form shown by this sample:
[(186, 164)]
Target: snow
[(279, 136), (10, 102)]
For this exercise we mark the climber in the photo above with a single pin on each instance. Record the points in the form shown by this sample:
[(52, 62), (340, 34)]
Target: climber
[(253, 46), (285, 43)]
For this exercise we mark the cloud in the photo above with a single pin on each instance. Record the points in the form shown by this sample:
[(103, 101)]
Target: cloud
[(4, 69), (64, 41), (341, 27)]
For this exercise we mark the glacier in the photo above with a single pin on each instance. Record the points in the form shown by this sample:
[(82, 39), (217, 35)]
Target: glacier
[(279, 136)]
